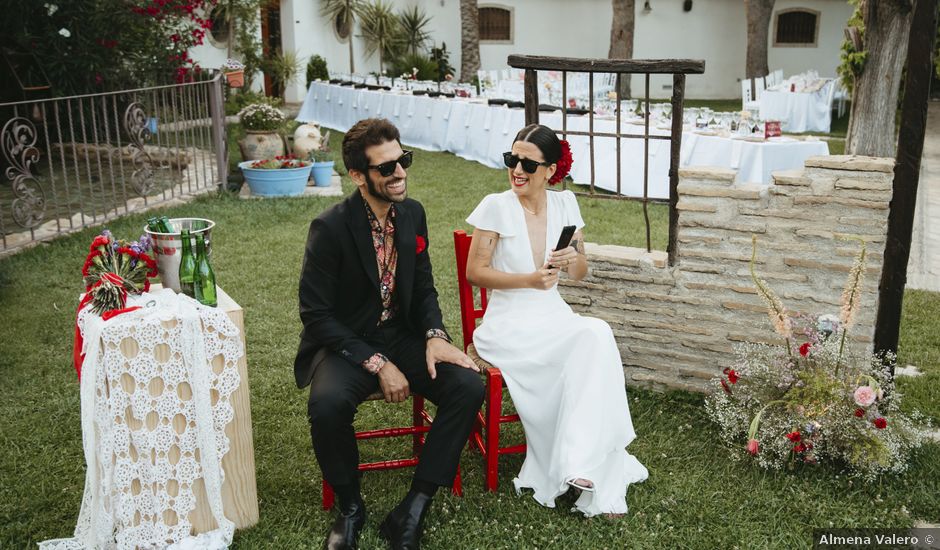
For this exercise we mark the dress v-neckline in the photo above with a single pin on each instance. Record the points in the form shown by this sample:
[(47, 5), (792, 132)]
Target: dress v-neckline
[(528, 238)]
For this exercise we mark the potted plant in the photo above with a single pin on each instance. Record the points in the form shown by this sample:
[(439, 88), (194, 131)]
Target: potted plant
[(322, 166), (281, 176), (261, 122), (234, 71)]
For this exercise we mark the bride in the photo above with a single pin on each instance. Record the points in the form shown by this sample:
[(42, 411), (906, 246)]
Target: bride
[(563, 370)]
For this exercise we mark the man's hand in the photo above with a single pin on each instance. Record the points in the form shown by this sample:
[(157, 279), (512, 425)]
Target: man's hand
[(393, 383), (442, 351)]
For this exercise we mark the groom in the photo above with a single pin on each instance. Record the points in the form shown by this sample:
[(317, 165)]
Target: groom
[(372, 321)]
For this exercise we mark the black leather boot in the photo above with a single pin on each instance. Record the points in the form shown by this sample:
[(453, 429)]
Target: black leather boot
[(344, 535), (403, 525)]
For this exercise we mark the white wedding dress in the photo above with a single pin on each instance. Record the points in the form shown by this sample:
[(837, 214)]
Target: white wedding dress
[(563, 370)]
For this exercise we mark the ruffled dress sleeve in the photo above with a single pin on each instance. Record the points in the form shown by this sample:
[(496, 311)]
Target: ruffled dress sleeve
[(494, 214), (571, 210)]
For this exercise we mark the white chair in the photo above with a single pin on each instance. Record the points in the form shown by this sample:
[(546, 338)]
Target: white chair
[(748, 103)]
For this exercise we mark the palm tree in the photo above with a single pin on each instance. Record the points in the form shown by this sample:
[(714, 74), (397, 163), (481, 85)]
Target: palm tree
[(413, 23), (758, 13), (345, 12), (380, 29), (469, 40)]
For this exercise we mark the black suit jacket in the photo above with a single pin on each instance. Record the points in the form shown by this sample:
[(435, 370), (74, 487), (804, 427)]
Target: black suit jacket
[(339, 283)]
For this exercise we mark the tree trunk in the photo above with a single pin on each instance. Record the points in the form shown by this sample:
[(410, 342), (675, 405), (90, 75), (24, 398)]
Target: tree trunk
[(621, 37), (469, 40), (875, 92), (758, 26)]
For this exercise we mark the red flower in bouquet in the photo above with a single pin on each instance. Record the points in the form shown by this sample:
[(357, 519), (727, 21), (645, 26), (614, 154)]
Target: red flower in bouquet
[(794, 436), (725, 386), (732, 375), (799, 448), (804, 349), (421, 244), (753, 446), (859, 412), (113, 269), (880, 423)]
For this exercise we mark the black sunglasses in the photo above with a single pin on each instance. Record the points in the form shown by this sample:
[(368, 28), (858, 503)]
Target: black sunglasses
[(529, 165), (386, 169)]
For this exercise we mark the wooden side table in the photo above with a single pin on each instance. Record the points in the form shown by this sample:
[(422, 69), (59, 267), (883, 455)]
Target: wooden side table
[(239, 490)]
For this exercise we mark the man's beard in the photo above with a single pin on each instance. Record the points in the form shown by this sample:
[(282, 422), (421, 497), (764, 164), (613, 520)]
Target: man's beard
[(384, 195)]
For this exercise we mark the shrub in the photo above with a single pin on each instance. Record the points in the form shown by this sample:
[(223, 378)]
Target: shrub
[(316, 69), (261, 117), (427, 69)]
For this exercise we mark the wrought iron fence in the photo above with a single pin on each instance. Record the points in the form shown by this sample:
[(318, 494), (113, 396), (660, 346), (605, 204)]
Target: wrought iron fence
[(74, 162), (619, 68)]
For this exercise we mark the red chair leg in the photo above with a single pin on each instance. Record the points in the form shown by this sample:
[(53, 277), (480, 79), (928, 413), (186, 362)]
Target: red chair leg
[(417, 420), (457, 488), (494, 409), (327, 496)]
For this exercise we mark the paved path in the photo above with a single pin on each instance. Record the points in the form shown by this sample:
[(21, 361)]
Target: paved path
[(923, 269)]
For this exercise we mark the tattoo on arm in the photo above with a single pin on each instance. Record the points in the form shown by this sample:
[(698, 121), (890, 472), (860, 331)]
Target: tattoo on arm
[(578, 246)]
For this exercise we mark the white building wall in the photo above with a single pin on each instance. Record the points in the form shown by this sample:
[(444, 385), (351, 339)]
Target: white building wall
[(714, 30)]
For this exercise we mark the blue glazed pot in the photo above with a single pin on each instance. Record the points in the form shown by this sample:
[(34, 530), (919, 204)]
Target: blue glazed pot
[(283, 182), (323, 173)]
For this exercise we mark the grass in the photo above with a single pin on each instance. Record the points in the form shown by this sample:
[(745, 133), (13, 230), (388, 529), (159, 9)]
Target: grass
[(697, 496)]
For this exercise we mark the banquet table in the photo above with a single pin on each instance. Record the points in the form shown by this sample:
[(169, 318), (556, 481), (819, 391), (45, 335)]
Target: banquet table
[(799, 111), (473, 130)]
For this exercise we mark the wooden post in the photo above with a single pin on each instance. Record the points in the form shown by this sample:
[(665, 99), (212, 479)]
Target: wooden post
[(906, 174), (678, 94), (531, 87)]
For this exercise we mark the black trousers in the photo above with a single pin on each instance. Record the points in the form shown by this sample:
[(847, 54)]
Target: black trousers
[(338, 387)]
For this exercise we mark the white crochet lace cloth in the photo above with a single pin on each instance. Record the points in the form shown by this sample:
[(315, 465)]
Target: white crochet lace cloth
[(150, 430)]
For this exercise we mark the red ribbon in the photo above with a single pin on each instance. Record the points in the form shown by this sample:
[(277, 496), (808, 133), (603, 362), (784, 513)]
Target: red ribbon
[(78, 358)]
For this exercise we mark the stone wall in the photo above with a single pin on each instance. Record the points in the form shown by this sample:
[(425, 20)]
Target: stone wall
[(676, 326)]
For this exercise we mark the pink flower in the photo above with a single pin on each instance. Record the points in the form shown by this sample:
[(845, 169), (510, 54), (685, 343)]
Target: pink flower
[(864, 396), (753, 446)]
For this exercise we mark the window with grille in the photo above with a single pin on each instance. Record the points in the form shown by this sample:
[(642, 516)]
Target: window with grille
[(495, 24), (797, 27)]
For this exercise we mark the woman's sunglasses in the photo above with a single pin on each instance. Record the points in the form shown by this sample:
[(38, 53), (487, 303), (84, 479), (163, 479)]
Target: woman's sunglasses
[(529, 165), (386, 169)]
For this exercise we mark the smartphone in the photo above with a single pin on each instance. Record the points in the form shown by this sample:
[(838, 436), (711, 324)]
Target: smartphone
[(567, 232)]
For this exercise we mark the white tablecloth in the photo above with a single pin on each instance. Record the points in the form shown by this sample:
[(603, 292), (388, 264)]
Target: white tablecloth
[(480, 132), (799, 111)]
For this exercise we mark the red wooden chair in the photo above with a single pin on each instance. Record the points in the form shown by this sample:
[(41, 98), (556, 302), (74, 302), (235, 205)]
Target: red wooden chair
[(489, 421), (420, 424)]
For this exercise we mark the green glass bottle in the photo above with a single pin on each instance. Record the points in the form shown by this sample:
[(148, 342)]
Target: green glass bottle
[(154, 224), (204, 283), (187, 266), (167, 226)]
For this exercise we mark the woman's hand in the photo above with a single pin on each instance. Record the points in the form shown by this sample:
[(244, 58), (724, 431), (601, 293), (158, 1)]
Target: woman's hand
[(563, 258), (544, 278)]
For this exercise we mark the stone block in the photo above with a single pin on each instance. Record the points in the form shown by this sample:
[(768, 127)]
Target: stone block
[(795, 177), (744, 191), (693, 206), (852, 162), (707, 173), (841, 201)]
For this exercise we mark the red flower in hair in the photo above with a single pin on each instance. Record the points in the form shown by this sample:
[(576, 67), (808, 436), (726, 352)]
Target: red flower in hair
[(421, 244), (563, 165)]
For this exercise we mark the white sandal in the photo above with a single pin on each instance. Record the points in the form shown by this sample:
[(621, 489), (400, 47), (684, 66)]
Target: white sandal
[(580, 487)]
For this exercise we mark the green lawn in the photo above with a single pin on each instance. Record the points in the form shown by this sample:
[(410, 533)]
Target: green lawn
[(698, 495)]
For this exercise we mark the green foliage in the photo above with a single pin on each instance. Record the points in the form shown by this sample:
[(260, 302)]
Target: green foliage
[(852, 57), (321, 155), (381, 30), (316, 69), (238, 101), (345, 10), (427, 69), (413, 23), (282, 67), (440, 57), (242, 17)]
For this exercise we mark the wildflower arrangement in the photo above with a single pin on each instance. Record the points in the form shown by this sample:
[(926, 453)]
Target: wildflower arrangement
[(232, 65), (114, 268), (261, 117), (812, 400), (280, 163)]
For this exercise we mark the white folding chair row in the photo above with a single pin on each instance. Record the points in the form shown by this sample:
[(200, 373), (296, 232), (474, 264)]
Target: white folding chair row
[(749, 101)]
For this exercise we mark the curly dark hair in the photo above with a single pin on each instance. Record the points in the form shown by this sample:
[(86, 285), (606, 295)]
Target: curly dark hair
[(365, 134)]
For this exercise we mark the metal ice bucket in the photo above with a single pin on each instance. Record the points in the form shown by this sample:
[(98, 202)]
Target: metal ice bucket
[(168, 247)]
